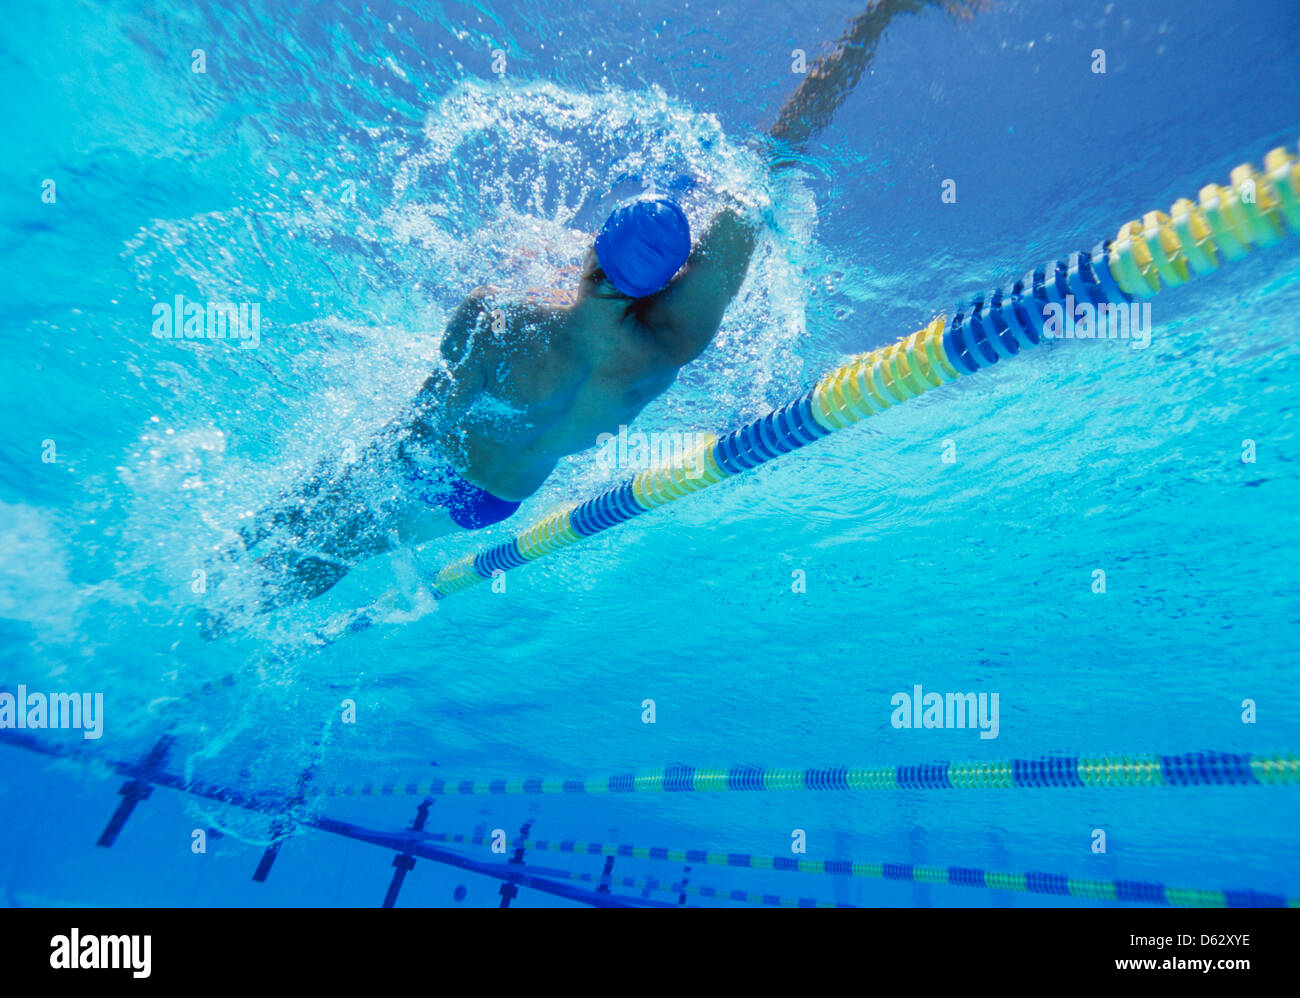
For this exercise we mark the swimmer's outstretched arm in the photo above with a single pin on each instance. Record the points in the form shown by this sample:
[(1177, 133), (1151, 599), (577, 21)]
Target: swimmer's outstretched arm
[(686, 315), (832, 77)]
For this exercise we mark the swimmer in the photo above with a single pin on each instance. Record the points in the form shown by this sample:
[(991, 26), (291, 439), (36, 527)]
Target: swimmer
[(520, 386), (523, 384)]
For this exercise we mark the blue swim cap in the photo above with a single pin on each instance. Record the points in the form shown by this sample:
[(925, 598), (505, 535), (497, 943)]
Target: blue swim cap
[(643, 244)]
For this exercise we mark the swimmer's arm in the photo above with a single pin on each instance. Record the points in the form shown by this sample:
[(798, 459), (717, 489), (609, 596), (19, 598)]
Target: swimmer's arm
[(686, 315)]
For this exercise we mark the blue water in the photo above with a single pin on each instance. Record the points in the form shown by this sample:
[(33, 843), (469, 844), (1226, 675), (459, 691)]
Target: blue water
[(356, 169)]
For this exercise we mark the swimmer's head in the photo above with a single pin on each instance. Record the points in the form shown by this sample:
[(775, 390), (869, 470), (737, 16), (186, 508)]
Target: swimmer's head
[(641, 246)]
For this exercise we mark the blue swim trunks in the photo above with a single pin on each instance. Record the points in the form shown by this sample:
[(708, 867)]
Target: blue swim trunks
[(435, 482)]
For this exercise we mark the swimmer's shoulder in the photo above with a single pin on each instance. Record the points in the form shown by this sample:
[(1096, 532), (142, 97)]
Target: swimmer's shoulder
[(491, 318), (471, 315), (515, 307), (476, 312), (480, 300)]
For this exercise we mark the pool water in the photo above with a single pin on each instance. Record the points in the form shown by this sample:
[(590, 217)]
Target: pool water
[(356, 169)]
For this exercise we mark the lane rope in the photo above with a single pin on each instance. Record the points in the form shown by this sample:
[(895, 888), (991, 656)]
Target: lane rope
[(1104, 771), (1161, 250), (1146, 892)]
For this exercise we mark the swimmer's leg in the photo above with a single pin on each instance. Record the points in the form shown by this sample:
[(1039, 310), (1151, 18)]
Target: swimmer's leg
[(307, 543), (274, 575), (303, 545), (304, 575)]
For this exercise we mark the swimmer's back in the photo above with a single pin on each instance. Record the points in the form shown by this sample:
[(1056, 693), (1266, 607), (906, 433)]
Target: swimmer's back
[(526, 384)]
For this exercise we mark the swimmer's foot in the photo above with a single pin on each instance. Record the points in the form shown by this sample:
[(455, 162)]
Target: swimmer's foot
[(295, 577), (287, 576)]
